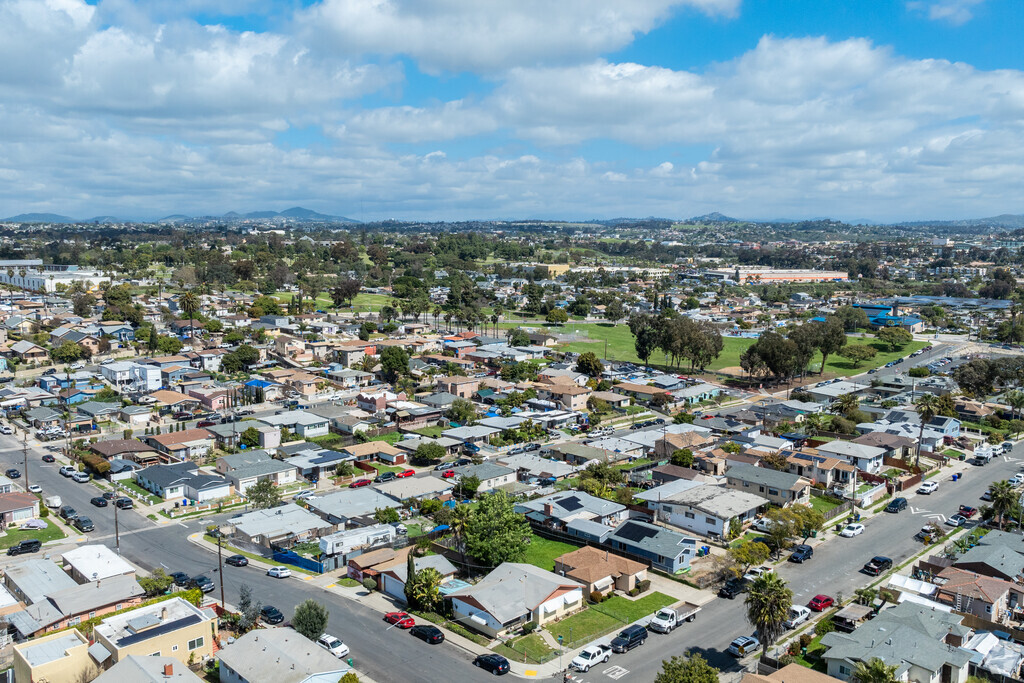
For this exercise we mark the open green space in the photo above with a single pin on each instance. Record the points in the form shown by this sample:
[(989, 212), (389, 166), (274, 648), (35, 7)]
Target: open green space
[(528, 649), (51, 533), (348, 582), (382, 468), (812, 658), (146, 495), (823, 505), (391, 437), (628, 611), (542, 553), (432, 432), (583, 627), (620, 347)]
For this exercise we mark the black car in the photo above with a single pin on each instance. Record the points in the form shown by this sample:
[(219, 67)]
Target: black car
[(84, 524), (180, 578), (877, 565), (896, 504), (124, 503), (271, 614), (428, 634), (237, 560), (496, 664), (462, 461), (385, 476), (26, 545), (801, 553), (68, 513), (628, 638), (733, 587), (13, 474), (109, 495), (99, 501), (49, 458), (203, 583)]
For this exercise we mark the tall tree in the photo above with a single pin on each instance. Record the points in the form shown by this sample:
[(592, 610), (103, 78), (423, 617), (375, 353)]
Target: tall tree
[(690, 669), (589, 365), (874, 671), (310, 619), (831, 339), (768, 603), (189, 303), (1004, 498), (263, 495), (497, 533), (927, 408)]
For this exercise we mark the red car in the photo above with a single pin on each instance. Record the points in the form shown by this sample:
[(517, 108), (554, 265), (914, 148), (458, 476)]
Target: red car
[(49, 458), (820, 603), (448, 474), (206, 423), (967, 511), (406, 473), (359, 483), (399, 619)]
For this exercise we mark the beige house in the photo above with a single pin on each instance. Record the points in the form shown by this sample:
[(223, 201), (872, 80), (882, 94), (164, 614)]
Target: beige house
[(60, 656), (463, 387), (599, 570), (172, 628)]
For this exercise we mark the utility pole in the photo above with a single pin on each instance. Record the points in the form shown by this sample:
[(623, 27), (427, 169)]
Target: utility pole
[(220, 567), (117, 528), (24, 455)]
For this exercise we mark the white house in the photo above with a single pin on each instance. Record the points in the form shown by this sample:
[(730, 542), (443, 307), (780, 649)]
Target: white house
[(864, 458)]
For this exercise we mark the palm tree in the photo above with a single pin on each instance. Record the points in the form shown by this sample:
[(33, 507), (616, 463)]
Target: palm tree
[(1003, 499), (812, 424), (1015, 399), (768, 603), (189, 303), (845, 404), (459, 524), (874, 671), (437, 314), (927, 408)]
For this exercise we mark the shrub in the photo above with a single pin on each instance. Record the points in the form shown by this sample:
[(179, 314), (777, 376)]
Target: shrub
[(644, 585), (596, 596), (369, 584), (44, 512), (805, 639), (530, 626), (633, 593), (824, 626)]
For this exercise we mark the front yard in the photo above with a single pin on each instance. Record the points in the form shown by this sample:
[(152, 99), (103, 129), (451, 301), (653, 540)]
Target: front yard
[(824, 505), (382, 468), (542, 553), (51, 533), (629, 611), (527, 649), (147, 497), (583, 627)]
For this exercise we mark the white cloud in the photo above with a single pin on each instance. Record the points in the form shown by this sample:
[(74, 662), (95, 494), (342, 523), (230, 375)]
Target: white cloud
[(955, 12), (490, 36)]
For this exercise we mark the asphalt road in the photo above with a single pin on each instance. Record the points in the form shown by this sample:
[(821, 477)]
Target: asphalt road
[(385, 654), (834, 568)]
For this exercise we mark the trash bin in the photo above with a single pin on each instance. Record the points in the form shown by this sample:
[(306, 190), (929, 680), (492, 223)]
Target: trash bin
[(856, 517), (814, 533), (839, 527)]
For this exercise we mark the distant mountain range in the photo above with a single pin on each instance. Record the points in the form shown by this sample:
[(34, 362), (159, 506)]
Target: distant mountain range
[(294, 214)]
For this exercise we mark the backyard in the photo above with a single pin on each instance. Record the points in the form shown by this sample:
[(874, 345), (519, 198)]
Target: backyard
[(824, 505), (542, 553), (432, 432), (51, 533)]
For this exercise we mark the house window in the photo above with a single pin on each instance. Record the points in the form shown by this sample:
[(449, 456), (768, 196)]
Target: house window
[(844, 670), (690, 515), (73, 621), (174, 648), (92, 614), (117, 607), (988, 609), (761, 489), (196, 643), (155, 654), (772, 492), (710, 520)]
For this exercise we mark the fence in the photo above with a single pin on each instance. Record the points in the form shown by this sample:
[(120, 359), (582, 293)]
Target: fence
[(838, 511), (296, 560)]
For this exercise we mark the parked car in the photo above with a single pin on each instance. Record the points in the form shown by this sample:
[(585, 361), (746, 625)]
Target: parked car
[(25, 545), (203, 583), (876, 565), (99, 501), (762, 524), (385, 477), (84, 524), (49, 458), (180, 578), (428, 634), (733, 587), (896, 505), (743, 646), (271, 615), (629, 637), (109, 495), (124, 504), (206, 423), (81, 477), (448, 474), (798, 614), (1006, 446), (68, 513), (279, 572), (801, 553), (956, 520), (13, 474), (67, 471), (405, 473), (496, 664), (852, 530), (820, 603), (237, 561), (5, 429), (968, 511), (359, 483), (35, 488), (332, 645), (400, 619), (928, 487), (589, 656)]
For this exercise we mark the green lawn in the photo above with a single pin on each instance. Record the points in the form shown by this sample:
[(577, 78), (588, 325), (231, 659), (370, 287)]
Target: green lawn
[(51, 533), (823, 505), (391, 437), (583, 627), (530, 649), (620, 347), (382, 468), (628, 611), (432, 432), (146, 495), (348, 582), (542, 553)]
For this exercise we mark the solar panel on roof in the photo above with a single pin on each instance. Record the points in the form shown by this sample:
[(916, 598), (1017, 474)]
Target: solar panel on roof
[(572, 503), (635, 532)]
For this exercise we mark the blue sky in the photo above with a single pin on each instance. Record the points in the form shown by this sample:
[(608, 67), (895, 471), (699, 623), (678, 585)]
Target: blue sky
[(451, 109)]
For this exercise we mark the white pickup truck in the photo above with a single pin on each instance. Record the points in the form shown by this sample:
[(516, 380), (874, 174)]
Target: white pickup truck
[(589, 656), (668, 618)]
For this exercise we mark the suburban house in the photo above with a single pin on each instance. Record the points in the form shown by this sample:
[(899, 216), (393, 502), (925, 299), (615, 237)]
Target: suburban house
[(172, 628), (558, 509), (278, 655), (894, 446), (29, 352), (600, 570), (183, 480), (17, 507), (284, 525), (392, 579), (569, 396), (639, 392), (75, 604), (781, 488), (303, 423), (462, 387), (491, 475), (380, 451), (983, 596), (95, 562), (704, 509), (513, 594), (248, 468), (925, 644), (864, 458), (148, 669), (667, 550), (185, 445), (60, 656)]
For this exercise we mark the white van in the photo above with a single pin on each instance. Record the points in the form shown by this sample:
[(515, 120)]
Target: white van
[(52, 501), (798, 614)]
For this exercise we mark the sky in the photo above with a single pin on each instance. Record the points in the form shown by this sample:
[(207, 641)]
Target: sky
[(881, 110)]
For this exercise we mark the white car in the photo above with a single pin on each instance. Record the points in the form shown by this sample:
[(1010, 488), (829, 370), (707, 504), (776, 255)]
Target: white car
[(6, 430), (852, 530), (762, 524), (279, 572), (35, 488), (756, 572), (332, 645), (928, 487), (1017, 479), (956, 520), (77, 366)]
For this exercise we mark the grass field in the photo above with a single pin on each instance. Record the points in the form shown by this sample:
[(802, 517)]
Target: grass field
[(51, 533), (620, 347), (823, 505), (542, 553), (362, 301), (583, 627), (629, 611), (433, 431)]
